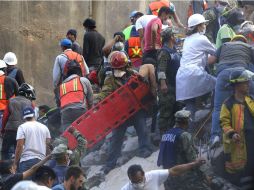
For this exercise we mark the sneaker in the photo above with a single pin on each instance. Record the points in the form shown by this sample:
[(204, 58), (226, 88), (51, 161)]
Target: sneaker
[(215, 142)]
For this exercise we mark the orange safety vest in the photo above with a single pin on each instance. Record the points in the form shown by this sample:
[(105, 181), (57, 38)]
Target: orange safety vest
[(134, 50), (191, 8), (71, 92), (3, 99), (156, 5), (72, 55)]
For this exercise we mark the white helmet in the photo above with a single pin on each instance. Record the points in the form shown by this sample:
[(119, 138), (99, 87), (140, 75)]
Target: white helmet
[(10, 58), (196, 19), (2, 64)]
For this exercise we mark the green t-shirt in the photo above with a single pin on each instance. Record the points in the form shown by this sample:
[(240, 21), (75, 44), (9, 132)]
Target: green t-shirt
[(224, 32), (127, 32)]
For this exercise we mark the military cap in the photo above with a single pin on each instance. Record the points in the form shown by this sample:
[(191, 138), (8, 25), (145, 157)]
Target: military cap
[(182, 114), (60, 150)]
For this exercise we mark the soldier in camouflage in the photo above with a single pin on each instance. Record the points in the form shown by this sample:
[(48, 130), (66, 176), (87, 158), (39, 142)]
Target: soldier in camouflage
[(168, 64), (177, 148), (79, 151), (216, 20)]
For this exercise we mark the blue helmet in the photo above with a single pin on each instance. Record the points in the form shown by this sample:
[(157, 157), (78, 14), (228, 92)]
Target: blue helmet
[(66, 43)]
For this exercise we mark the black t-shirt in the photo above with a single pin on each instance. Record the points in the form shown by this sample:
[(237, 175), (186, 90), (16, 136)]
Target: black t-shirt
[(10, 180)]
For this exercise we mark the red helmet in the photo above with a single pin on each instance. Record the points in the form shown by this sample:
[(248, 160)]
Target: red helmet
[(117, 59)]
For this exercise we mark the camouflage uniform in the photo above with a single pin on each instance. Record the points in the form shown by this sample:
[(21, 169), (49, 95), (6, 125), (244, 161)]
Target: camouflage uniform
[(167, 102), (79, 151), (192, 180)]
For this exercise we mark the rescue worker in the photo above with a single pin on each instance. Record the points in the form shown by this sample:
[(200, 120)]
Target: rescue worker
[(61, 155), (237, 119), (194, 59), (133, 18), (72, 35), (9, 88), (155, 6), (247, 30), (133, 48), (93, 43), (76, 95), (59, 70), (177, 148), (216, 19), (121, 74), (13, 118), (152, 180), (234, 18), (168, 64), (12, 71), (78, 152), (229, 57)]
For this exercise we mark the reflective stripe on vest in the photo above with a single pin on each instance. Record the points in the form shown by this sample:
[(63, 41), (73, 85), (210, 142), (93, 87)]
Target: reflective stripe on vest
[(72, 55), (71, 92), (155, 6), (3, 98), (134, 50)]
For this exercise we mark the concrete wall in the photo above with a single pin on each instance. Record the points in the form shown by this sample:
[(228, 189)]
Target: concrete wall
[(32, 29)]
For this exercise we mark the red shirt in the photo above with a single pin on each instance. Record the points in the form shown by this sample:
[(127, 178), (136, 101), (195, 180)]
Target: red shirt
[(148, 34)]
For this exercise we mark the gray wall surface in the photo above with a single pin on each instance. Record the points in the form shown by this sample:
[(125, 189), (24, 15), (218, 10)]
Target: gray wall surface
[(32, 30)]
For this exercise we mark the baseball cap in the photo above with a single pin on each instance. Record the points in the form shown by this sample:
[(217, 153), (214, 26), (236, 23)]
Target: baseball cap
[(182, 114), (28, 112)]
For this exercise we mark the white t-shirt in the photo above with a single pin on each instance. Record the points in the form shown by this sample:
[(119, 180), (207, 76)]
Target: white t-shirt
[(35, 135), (143, 21), (154, 179)]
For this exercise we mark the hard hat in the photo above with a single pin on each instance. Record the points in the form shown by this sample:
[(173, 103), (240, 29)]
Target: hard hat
[(239, 37), (182, 114), (66, 43), (27, 91), (241, 76), (2, 64), (60, 150), (28, 185), (117, 59), (10, 58), (196, 19)]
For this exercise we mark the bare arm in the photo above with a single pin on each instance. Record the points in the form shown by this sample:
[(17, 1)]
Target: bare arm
[(212, 59), (141, 36), (48, 142), (33, 169), (148, 71), (107, 47), (18, 151), (177, 20), (180, 169)]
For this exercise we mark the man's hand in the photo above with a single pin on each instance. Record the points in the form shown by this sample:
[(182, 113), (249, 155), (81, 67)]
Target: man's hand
[(163, 87), (71, 129), (236, 138), (200, 162)]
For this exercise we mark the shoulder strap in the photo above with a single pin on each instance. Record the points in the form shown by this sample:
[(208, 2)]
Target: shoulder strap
[(13, 73)]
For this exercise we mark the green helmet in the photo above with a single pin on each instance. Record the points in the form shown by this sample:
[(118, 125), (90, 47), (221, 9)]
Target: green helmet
[(241, 76)]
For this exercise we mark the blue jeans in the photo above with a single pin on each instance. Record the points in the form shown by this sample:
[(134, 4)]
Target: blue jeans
[(26, 165), (139, 122), (222, 91)]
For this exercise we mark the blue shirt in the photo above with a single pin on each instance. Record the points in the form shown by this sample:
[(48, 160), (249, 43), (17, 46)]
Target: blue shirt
[(59, 187), (60, 174)]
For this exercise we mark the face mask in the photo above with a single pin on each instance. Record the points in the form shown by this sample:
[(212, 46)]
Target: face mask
[(119, 73), (139, 186), (220, 8), (202, 32)]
